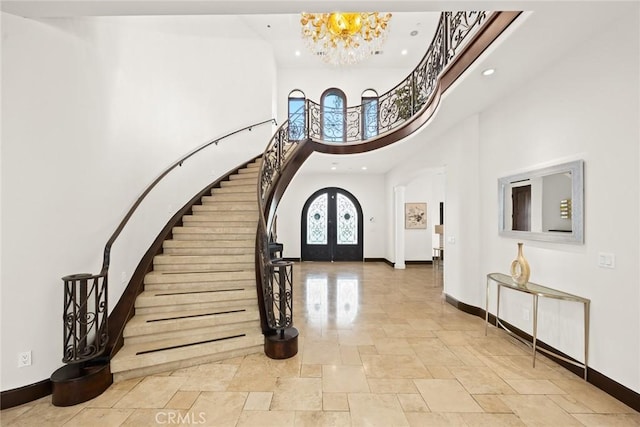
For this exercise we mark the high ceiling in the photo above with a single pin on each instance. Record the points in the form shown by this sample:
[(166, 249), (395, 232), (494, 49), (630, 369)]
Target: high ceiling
[(547, 32)]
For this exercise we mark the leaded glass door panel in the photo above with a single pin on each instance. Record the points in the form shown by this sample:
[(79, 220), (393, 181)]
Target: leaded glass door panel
[(332, 227)]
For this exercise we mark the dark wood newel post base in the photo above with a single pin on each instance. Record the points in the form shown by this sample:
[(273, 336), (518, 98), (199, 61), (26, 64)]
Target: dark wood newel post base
[(282, 346), (77, 383)]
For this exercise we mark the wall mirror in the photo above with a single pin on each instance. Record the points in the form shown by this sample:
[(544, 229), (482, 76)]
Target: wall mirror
[(543, 204)]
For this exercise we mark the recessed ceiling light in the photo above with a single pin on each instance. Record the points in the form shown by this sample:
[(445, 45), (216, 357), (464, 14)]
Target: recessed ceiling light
[(488, 71), (297, 53), (414, 32), (334, 168), (404, 52), (364, 168)]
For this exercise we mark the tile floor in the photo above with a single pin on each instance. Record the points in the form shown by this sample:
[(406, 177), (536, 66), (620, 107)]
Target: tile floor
[(378, 347)]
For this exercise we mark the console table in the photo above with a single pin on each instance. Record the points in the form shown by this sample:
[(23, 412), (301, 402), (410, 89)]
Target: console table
[(537, 291)]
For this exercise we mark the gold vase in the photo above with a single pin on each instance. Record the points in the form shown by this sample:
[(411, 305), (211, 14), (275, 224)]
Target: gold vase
[(520, 270)]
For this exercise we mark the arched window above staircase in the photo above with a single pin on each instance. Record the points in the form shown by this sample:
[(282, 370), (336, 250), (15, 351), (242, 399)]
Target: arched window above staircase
[(333, 105), (296, 114)]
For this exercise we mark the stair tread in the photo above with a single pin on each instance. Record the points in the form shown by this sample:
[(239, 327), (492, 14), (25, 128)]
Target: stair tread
[(127, 358)]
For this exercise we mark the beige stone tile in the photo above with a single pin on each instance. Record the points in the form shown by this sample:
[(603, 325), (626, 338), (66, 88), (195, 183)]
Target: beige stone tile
[(267, 419), (538, 410), (8, 415), (99, 417), (432, 419), (220, 371), (535, 387), (321, 353), (367, 350), (612, 420), (125, 384), (466, 356), (425, 325), (311, 371), (412, 403), (446, 396), (453, 337), (478, 380), (492, 420), (350, 355), (152, 392), (436, 355), (182, 399), (569, 404), (591, 397), (297, 394), (219, 408), (107, 399), (394, 366), (393, 346), (204, 383), (492, 403), (383, 385), (322, 419), (440, 372), (335, 402), (258, 401), (45, 414), (355, 337), (156, 417), (369, 409), (252, 383), (344, 379)]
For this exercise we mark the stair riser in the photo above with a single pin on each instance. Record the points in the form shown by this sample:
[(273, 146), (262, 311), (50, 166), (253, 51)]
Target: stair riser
[(217, 223), (230, 197), (223, 207), (208, 251), (242, 327), (217, 276), (213, 230), (216, 237), (207, 244), (218, 306), (182, 301), (220, 259), (203, 286), (235, 189), (180, 328), (186, 268), (249, 183)]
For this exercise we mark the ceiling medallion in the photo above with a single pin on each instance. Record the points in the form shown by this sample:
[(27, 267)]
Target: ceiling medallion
[(344, 37)]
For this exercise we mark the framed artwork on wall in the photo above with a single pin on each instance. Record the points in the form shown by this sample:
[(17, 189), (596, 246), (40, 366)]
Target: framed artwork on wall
[(415, 215)]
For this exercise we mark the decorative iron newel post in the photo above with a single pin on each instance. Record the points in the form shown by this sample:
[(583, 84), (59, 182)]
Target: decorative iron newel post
[(85, 317)]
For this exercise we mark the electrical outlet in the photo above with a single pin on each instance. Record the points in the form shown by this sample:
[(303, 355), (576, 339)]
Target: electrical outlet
[(24, 359), (123, 278)]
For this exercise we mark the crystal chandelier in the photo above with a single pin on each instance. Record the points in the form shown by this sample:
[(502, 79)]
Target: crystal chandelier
[(344, 37)]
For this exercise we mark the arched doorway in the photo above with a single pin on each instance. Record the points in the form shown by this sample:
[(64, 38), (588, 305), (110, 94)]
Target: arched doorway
[(332, 228)]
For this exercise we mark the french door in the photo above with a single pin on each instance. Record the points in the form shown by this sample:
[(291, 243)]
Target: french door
[(332, 227)]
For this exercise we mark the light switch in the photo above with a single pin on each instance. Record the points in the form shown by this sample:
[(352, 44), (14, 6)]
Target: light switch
[(606, 260), (451, 239)]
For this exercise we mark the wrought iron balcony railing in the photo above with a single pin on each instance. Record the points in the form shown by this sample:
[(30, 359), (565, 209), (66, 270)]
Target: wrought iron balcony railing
[(353, 125)]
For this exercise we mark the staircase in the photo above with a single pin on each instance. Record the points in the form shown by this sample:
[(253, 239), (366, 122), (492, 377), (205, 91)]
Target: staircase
[(200, 302)]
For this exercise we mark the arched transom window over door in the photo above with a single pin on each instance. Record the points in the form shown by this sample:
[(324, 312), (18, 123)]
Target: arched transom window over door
[(332, 228)]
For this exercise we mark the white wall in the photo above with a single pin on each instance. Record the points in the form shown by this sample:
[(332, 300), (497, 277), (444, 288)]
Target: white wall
[(572, 111), (584, 106), (367, 188), (93, 110)]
